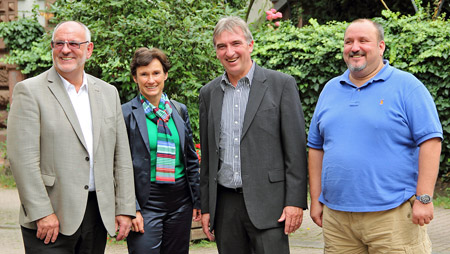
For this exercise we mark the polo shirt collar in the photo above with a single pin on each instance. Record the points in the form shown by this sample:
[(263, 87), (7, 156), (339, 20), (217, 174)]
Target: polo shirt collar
[(382, 75)]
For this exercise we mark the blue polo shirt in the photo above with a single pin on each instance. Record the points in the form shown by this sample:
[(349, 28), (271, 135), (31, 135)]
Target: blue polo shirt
[(371, 136)]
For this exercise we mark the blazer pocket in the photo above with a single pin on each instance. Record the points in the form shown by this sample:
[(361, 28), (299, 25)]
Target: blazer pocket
[(48, 180), (109, 119), (271, 111), (276, 175)]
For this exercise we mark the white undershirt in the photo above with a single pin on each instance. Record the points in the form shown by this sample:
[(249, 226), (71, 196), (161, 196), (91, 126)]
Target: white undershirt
[(82, 107)]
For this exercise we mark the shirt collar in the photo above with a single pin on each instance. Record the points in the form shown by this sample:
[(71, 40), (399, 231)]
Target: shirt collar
[(249, 77), (382, 75), (69, 86)]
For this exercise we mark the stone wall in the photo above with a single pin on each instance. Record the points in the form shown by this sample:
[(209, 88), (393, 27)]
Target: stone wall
[(9, 75), (8, 10)]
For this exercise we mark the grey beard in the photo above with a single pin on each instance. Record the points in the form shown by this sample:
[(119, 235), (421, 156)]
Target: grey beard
[(356, 69)]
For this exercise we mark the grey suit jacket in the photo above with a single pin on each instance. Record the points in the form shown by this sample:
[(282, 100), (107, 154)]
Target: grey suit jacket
[(273, 147), (49, 158)]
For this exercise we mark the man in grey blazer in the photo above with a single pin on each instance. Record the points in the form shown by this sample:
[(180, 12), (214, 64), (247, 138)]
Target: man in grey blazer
[(253, 170), (69, 153)]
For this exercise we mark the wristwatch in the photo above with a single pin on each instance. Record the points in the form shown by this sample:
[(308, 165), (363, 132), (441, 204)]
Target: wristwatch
[(424, 199)]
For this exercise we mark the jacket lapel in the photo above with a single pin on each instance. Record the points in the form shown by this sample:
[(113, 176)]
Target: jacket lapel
[(216, 106), (96, 110), (179, 123), (58, 90), (257, 91), (140, 118)]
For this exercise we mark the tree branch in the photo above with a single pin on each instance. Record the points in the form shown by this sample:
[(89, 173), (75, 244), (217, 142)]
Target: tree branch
[(250, 5), (415, 6), (438, 9), (385, 6)]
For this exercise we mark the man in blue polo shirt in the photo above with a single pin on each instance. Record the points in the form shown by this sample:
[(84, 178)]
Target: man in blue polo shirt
[(375, 142)]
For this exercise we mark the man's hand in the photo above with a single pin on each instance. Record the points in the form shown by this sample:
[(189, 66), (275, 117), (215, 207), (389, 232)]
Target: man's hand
[(137, 224), (316, 212), (48, 228), (422, 213), (196, 214), (123, 224), (205, 226), (292, 217)]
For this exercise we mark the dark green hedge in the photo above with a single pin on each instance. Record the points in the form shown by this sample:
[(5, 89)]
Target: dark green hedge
[(313, 55), (181, 28)]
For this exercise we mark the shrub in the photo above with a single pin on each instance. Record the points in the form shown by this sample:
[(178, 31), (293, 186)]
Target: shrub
[(181, 28), (313, 55), (20, 34)]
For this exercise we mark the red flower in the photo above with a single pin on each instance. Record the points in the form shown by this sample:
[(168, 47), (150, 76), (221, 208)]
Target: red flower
[(199, 152)]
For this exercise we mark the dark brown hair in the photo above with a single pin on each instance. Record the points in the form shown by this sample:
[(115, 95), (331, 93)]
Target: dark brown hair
[(378, 27), (144, 56)]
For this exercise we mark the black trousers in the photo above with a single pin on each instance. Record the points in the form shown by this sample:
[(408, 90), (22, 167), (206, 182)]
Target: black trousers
[(167, 221), (90, 238), (236, 234)]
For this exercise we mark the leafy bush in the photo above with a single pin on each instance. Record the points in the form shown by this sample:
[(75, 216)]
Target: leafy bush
[(313, 55), (20, 34), (347, 10), (181, 28)]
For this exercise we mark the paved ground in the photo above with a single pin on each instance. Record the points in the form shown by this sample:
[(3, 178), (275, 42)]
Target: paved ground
[(307, 240)]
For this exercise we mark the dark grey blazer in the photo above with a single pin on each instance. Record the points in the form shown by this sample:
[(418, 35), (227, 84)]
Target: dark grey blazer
[(140, 150), (273, 147)]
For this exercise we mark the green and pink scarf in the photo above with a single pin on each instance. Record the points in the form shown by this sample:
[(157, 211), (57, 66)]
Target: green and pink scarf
[(165, 148)]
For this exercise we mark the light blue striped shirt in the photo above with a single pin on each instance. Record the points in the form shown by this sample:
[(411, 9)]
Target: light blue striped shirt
[(233, 110)]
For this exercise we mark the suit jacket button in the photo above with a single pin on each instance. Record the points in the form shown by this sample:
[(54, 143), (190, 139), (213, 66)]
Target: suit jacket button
[(86, 187), (87, 158)]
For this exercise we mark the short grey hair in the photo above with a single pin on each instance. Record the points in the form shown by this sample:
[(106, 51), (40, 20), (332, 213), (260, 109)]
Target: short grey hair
[(378, 27), (229, 24), (86, 29)]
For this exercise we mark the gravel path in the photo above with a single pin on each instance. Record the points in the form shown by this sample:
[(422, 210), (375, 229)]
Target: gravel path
[(307, 240)]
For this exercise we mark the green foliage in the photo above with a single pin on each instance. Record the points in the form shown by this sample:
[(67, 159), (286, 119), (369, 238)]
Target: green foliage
[(313, 55), (111, 241), (347, 10), (32, 61), (443, 200), (6, 177), (7, 181), (202, 244), (181, 28), (237, 4), (19, 34)]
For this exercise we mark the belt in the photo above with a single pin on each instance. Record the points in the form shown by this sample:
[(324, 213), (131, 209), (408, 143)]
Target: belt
[(235, 190)]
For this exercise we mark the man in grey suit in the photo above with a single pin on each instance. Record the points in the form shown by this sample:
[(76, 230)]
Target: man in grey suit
[(69, 153), (253, 170)]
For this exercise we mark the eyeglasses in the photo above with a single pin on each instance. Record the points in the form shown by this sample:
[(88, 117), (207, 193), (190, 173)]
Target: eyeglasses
[(70, 44)]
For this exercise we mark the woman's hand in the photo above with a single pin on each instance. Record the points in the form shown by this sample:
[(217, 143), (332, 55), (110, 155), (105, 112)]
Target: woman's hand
[(196, 214), (138, 223)]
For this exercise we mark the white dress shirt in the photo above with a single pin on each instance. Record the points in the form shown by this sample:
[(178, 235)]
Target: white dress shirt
[(82, 107)]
